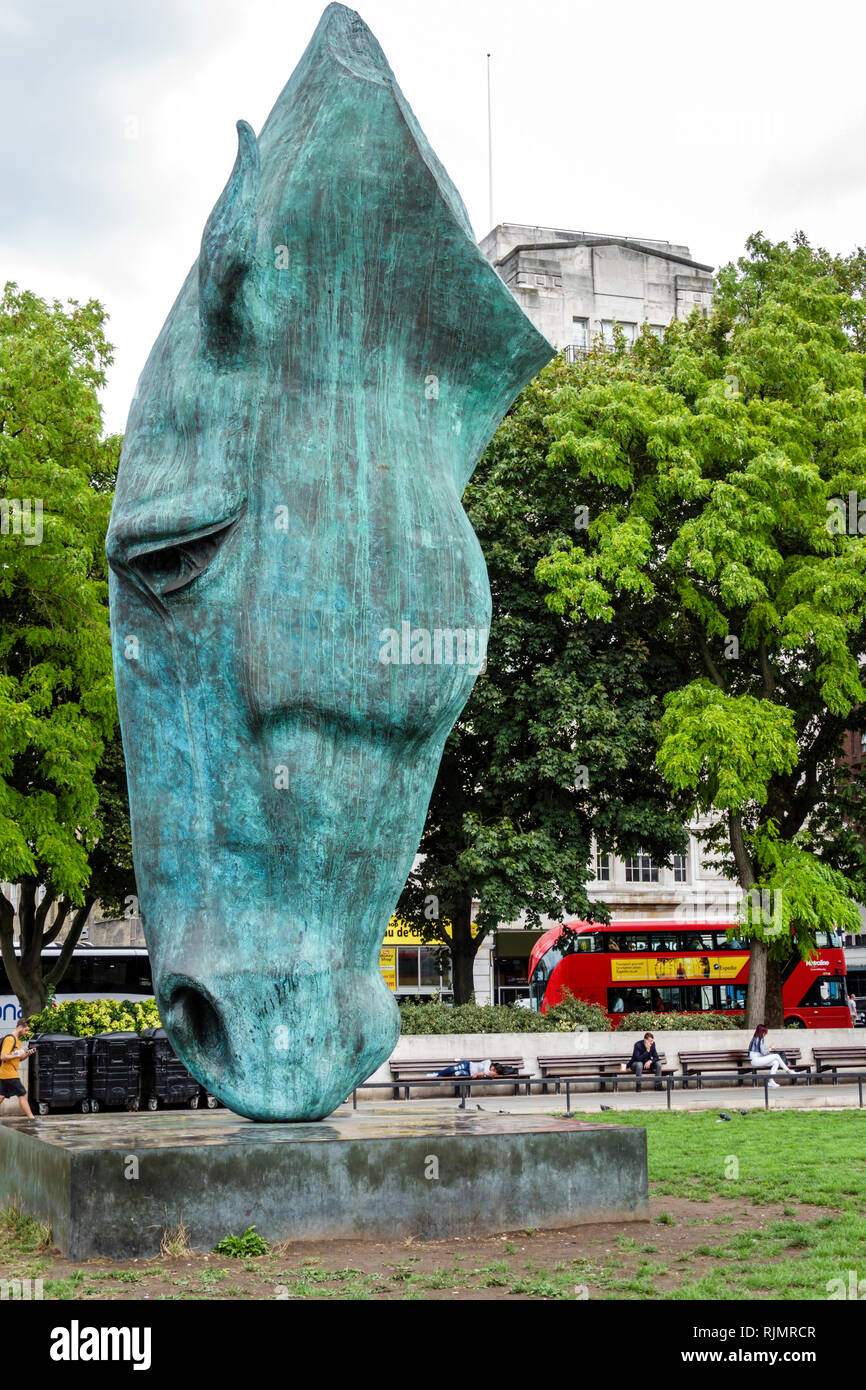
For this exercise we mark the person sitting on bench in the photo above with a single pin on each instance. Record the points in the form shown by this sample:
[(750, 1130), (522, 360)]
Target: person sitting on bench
[(760, 1056), (644, 1054)]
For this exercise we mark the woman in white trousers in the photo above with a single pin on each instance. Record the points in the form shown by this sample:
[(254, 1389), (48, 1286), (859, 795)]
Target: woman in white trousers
[(760, 1056)]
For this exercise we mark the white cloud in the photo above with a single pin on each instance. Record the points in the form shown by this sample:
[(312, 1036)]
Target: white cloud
[(696, 124)]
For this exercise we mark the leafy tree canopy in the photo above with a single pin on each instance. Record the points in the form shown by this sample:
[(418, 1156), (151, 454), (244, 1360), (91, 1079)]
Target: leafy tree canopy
[(556, 744), (733, 456), (57, 705)]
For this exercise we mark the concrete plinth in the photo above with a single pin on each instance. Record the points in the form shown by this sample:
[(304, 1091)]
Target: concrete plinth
[(110, 1184)]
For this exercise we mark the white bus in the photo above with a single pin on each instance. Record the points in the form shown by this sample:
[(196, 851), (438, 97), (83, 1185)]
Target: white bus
[(95, 972)]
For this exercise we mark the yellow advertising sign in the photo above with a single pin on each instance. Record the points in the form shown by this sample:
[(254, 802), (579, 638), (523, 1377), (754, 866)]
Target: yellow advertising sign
[(726, 967), (400, 933), (388, 966)]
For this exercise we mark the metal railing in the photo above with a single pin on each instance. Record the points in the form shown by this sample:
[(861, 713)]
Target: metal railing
[(463, 1085)]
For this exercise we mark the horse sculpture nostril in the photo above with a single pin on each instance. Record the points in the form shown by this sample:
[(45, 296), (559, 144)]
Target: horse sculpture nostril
[(197, 1024)]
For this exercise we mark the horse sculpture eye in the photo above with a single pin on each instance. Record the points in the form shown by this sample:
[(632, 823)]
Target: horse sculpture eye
[(172, 568)]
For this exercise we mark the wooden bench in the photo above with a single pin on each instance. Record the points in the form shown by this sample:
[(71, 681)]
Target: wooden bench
[(422, 1070), (831, 1059), (600, 1066), (732, 1059)]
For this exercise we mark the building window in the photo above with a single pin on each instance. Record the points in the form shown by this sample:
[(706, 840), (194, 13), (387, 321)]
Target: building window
[(407, 967), (418, 967), (608, 327), (580, 333), (602, 868), (641, 869), (680, 872), (658, 329)]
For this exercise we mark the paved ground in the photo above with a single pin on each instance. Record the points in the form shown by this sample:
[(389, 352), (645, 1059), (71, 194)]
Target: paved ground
[(845, 1096), (799, 1097)]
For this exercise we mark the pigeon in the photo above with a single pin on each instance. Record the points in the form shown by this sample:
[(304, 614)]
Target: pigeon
[(723, 1116), (744, 1112), (605, 1107)]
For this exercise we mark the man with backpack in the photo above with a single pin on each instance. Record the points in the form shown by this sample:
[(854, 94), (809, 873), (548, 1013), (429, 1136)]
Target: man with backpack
[(11, 1056)]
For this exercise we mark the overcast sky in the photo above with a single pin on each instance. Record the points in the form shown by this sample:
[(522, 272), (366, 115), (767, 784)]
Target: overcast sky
[(693, 122)]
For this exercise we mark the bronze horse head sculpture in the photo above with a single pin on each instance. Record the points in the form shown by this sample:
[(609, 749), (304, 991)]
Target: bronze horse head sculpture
[(288, 496)]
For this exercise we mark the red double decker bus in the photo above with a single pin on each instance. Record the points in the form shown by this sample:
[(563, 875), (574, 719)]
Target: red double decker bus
[(667, 967)]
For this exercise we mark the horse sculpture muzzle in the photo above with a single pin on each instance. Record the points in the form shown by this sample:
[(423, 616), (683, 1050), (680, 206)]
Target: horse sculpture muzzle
[(288, 500)]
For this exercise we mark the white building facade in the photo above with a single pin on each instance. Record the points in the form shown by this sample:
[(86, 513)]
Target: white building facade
[(576, 286)]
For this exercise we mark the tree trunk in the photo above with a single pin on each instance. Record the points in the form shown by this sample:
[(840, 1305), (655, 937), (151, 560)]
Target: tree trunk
[(775, 1009), (463, 952), (11, 962), (756, 994), (26, 975)]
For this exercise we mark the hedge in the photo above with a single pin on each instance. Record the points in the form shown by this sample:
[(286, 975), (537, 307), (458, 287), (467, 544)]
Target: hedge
[(569, 1016), (83, 1018), (572, 1015), (671, 1023)]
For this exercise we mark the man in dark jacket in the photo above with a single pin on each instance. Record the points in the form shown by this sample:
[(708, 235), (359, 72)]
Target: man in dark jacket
[(644, 1054)]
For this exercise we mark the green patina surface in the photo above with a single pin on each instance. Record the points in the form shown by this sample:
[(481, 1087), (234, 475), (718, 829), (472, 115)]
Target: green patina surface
[(289, 494)]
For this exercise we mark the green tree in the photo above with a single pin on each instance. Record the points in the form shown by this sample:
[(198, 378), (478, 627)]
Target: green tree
[(731, 450), (62, 788), (556, 743)]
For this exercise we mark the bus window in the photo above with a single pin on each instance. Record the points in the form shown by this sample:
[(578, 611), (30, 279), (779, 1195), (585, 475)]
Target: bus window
[(586, 943), (828, 939), (665, 999), (540, 977), (138, 976), (626, 1001), (635, 942), (733, 996), (635, 1002), (696, 941), (612, 943), (667, 942), (76, 977), (828, 990), (107, 976)]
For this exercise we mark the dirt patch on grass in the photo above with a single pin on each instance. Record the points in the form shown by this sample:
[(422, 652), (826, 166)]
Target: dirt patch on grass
[(614, 1259)]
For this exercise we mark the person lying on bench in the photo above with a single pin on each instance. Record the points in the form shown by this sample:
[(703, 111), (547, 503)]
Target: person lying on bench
[(468, 1068), (644, 1055)]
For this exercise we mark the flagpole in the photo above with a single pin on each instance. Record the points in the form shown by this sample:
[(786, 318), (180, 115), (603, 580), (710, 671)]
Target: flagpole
[(489, 146)]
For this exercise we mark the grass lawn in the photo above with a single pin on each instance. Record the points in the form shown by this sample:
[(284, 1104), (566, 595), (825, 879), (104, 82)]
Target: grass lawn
[(767, 1206), (813, 1163), (810, 1156)]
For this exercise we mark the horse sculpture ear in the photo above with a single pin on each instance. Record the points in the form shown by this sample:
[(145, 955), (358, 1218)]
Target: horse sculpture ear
[(227, 248)]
